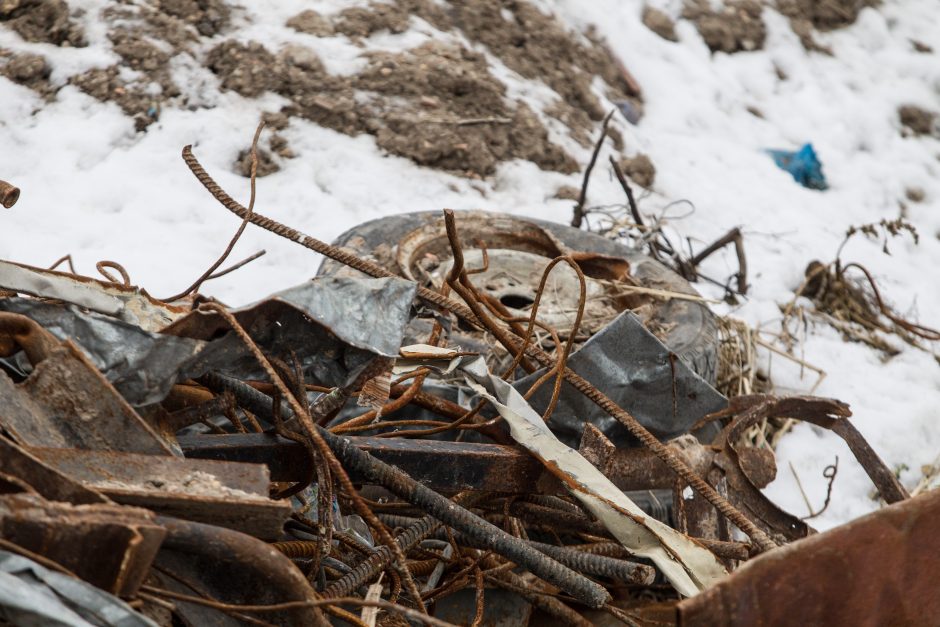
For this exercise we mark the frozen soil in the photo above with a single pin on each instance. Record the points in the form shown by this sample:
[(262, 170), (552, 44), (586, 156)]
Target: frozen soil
[(442, 103)]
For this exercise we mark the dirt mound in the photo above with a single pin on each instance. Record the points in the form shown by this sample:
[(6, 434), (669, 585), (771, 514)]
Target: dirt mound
[(736, 27), (312, 23), (438, 104), (435, 104), (45, 21)]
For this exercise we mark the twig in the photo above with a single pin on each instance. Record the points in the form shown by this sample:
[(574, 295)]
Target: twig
[(732, 236), (475, 121), (634, 210), (241, 229), (796, 360), (579, 208), (918, 330)]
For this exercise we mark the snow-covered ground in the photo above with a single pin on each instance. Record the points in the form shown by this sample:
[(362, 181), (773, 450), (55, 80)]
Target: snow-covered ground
[(93, 187)]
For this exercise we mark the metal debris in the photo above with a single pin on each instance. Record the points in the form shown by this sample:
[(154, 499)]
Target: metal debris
[(323, 450)]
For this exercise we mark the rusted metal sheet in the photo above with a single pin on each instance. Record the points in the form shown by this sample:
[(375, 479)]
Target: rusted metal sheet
[(66, 402), (878, 570), (109, 546), (140, 364), (438, 465), (130, 304), (227, 494)]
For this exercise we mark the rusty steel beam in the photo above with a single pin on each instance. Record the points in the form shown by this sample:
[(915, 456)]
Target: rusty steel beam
[(449, 466), (227, 494)]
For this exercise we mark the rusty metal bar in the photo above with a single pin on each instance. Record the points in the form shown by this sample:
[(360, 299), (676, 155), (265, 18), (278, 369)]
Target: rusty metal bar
[(449, 466), (227, 494)]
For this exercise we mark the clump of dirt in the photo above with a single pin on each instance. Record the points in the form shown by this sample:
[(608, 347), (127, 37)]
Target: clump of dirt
[(30, 70), (45, 21), (567, 192), (915, 194), (824, 14), (249, 68), (449, 76), (736, 27), (659, 23), (312, 23), (279, 145), (209, 17), (139, 97), (360, 22), (141, 83), (436, 104), (639, 169), (145, 57), (134, 98), (537, 46), (266, 164), (917, 120)]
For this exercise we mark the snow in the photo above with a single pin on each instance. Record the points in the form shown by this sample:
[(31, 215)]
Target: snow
[(94, 188)]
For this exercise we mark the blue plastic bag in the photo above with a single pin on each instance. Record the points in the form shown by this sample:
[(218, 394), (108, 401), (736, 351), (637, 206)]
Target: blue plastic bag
[(803, 164)]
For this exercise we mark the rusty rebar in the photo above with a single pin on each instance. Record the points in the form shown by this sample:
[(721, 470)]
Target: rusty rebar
[(319, 436), (194, 287), (461, 284), (441, 508), (615, 566), (9, 194)]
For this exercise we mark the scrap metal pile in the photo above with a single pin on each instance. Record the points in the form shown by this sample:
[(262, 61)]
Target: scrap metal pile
[(463, 419)]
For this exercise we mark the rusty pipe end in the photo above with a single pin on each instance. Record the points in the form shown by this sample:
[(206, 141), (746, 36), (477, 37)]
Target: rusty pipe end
[(9, 194)]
